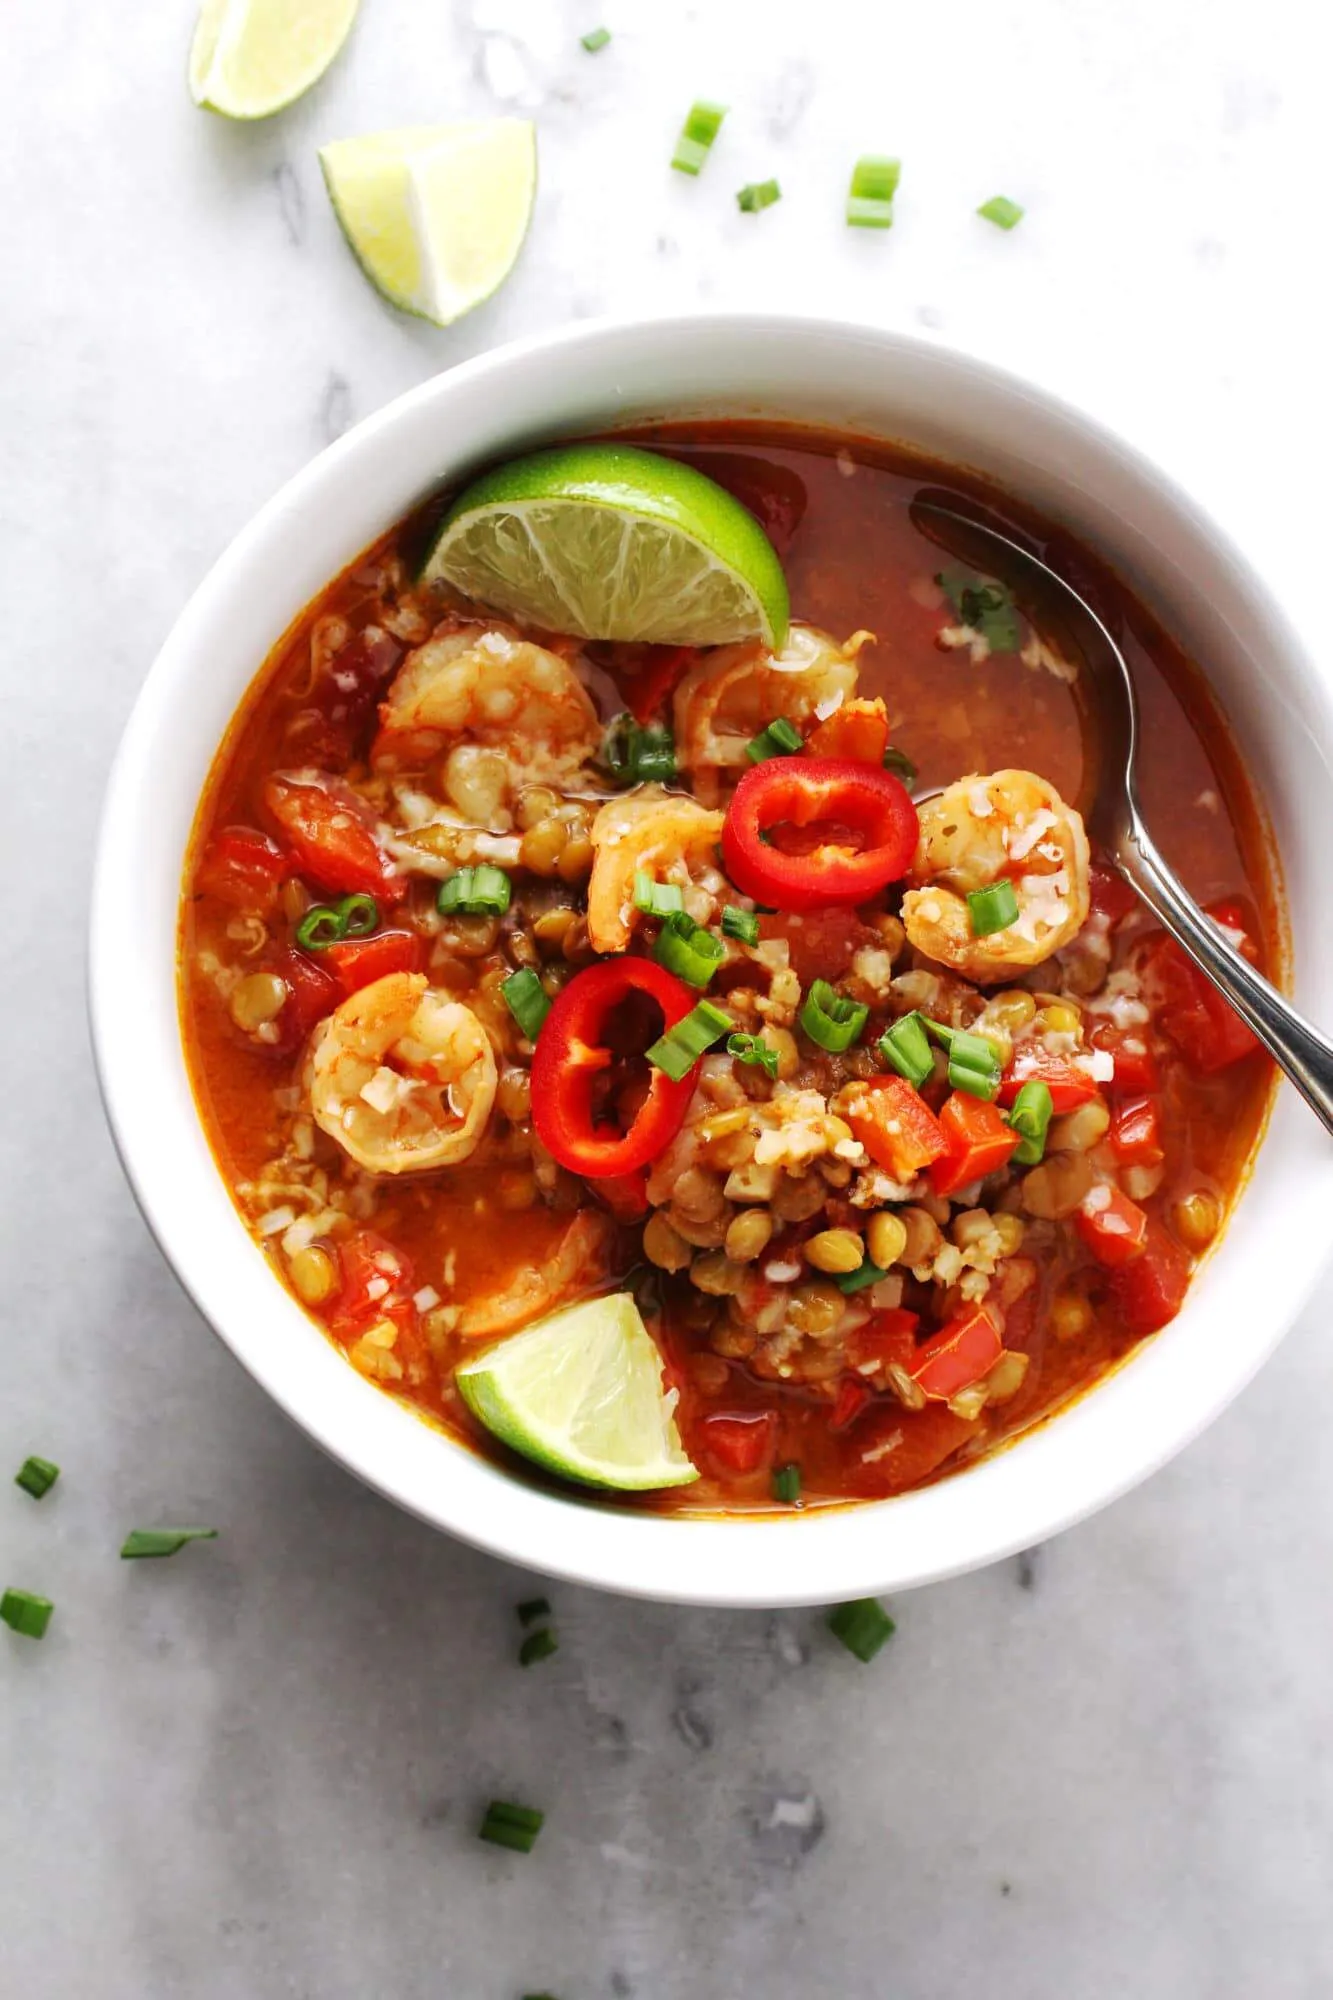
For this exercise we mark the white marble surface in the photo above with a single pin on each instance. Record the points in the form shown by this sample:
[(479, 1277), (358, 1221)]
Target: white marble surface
[(256, 1771)]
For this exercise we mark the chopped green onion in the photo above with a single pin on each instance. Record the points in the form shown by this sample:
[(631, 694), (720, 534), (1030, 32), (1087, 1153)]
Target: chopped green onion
[(740, 924), (787, 1484), (856, 1281), (483, 891), (163, 1541), (1005, 214), (681, 1047), (329, 923), (697, 134), (23, 1611), (507, 1825), (993, 908), (901, 765), (904, 1047), (1030, 1114), (360, 914), (870, 196), (863, 1627), (538, 1646), (635, 755), (596, 38), (974, 1060), (687, 949), (656, 899), (526, 1000), (750, 1049), (757, 195), (533, 1608), (830, 1019), (780, 739), (37, 1476), (985, 608)]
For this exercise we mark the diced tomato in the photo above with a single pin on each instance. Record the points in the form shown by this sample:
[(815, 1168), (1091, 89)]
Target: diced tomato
[(740, 1443), (976, 1142), (311, 994), (1202, 1024), (1135, 1064), (1114, 1228), (895, 1125), (853, 1396), (649, 689), (958, 1355), (1151, 1290), (859, 730), (1109, 894), (360, 962), (375, 1276), (887, 1338), (1068, 1084), (1136, 1132), (775, 494), (330, 835), (626, 1195), (245, 868), (822, 943)]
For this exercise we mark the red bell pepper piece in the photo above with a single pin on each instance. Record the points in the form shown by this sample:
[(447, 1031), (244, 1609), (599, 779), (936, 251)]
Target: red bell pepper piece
[(958, 1355), (329, 832), (359, 962), (976, 1142), (243, 867), (740, 1443), (858, 730), (1135, 1064), (894, 1124), (857, 822), (1136, 1132), (1151, 1290), (574, 1053), (1204, 1027), (1114, 1228), (1069, 1085)]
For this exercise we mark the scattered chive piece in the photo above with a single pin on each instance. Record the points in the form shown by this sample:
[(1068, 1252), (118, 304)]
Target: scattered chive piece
[(986, 608), (1005, 214), (787, 1483), (23, 1611), (974, 1061), (681, 1047), (856, 1281), (863, 1626), (741, 924), (993, 908), (829, 1019), (533, 1608), (904, 1047), (1030, 1114), (749, 1049), (901, 765), (657, 899), (538, 1646), (781, 739), (870, 196), (513, 1826), (697, 134), (329, 923), (596, 38), (526, 999), (757, 195), (163, 1541), (634, 755), (37, 1476), (688, 950), (483, 891)]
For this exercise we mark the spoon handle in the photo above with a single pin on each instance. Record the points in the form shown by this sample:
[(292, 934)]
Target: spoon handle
[(1295, 1045)]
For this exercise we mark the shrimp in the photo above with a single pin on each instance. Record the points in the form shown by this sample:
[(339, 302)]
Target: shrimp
[(670, 837), (1011, 825), (579, 1260), (402, 1077), (486, 684), (735, 691)]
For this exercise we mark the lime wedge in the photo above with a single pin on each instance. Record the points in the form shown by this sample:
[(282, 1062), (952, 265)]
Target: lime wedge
[(581, 1394), (609, 542), (435, 214), (249, 58)]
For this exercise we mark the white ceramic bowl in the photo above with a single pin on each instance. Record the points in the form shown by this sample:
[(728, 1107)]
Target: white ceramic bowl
[(588, 378)]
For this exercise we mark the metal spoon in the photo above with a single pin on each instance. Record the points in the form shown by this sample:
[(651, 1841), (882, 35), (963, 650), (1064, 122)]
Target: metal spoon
[(1111, 804)]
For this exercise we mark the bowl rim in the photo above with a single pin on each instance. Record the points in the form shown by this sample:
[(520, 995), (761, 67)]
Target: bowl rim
[(827, 1553)]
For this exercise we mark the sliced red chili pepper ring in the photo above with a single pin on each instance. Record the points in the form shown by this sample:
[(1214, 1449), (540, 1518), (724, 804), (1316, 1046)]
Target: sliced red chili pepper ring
[(575, 1050), (869, 840)]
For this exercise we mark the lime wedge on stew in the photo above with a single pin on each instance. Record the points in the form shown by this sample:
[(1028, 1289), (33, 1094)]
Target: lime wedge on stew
[(581, 1394), (610, 542), (436, 214), (251, 57)]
